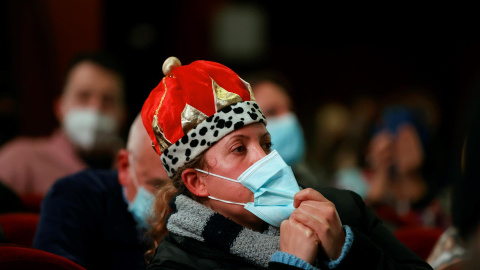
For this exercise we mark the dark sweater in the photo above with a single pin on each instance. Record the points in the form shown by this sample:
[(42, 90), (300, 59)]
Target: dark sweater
[(84, 218), (374, 246)]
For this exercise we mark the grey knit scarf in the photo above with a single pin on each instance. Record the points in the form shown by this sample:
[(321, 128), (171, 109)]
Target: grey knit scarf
[(194, 220)]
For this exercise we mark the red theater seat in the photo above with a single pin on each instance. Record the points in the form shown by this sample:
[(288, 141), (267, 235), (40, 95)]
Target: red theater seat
[(420, 240), (17, 257), (31, 202), (19, 228)]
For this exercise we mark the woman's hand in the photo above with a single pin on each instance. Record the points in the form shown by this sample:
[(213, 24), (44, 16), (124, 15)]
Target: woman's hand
[(381, 152), (317, 213), (298, 240)]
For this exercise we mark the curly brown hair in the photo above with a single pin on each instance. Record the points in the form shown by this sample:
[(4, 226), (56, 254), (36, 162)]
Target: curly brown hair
[(161, 208)]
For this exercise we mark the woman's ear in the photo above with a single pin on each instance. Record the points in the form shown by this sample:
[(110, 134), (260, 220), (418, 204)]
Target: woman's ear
[(194, 183)]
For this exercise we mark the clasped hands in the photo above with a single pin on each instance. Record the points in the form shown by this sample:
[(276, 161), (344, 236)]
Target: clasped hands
[(313, 226)]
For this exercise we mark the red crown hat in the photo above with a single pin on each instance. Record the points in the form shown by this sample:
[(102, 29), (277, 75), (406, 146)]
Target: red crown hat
[(194, 106)]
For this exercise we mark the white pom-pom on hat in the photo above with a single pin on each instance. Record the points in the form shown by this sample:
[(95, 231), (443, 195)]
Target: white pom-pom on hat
[(170, 64)]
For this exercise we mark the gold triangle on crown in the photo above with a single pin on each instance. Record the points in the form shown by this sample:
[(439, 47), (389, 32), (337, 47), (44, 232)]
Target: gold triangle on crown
[(191, 117), (223, 98), (162, 141)]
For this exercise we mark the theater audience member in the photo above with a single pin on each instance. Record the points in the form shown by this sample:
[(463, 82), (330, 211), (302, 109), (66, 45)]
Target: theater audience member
[(272, 92), (448, 252), (234, 202), (338, 144), (97, 218), (459, 246), (91, 113), (331, 126), (402, 186)]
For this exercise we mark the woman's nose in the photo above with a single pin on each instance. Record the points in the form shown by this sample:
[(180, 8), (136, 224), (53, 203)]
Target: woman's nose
[(257, 153)]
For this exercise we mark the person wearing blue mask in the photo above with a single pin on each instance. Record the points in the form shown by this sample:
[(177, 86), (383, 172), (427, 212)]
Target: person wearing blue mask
[(234, 203), (271, 91), (98, 218)]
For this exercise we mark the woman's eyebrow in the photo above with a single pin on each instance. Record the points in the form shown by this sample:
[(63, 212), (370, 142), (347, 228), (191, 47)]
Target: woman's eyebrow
[(238, 136), (246, 137)]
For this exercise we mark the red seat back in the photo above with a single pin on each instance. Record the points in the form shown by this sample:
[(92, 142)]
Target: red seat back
[(17, 257), (19, 228), (31, 202), (420, 240)]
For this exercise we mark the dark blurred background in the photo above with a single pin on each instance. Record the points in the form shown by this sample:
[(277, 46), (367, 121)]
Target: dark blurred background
[(328, 53)]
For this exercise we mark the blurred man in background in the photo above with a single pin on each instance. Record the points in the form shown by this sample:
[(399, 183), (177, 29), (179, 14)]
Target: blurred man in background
[(98, 218), (91, 113)]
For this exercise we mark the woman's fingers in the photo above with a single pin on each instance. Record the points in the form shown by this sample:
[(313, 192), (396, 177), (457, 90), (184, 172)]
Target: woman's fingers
[(322, 218), (299, 240), (307, 195)]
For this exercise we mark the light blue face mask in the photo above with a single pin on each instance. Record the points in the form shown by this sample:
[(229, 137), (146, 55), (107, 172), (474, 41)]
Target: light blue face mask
[(287, 137), (273, 184), (142, 204)]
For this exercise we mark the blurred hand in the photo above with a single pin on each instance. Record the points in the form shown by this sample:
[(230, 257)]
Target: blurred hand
[(380, 152), (298, 240), (317, 213)]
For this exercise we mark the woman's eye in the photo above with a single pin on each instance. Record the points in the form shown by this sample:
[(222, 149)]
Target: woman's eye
[(268, 147), (239, 149)]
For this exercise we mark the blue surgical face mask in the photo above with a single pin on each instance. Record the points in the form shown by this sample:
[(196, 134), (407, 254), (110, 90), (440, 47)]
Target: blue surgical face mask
[(272, 182), (287, 137), (142, 204)]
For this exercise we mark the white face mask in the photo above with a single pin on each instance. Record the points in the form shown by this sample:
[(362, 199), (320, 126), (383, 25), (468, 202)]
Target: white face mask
[(88, 129)]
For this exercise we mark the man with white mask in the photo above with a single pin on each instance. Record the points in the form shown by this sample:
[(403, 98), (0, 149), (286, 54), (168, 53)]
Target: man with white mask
[(98, 218), (91, 113)]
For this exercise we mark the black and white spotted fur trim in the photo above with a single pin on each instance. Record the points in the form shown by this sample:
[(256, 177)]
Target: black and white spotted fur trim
[(210, 131)]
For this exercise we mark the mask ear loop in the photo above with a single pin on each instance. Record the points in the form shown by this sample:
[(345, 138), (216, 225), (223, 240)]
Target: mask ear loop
[(229, 202), (223, 177), (219, 176)]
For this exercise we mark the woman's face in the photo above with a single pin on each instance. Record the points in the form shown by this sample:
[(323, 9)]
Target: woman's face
[(230, 157)]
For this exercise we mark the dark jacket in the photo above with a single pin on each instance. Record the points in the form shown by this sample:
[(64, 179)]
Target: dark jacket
[(84, 218), (374, 246)]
